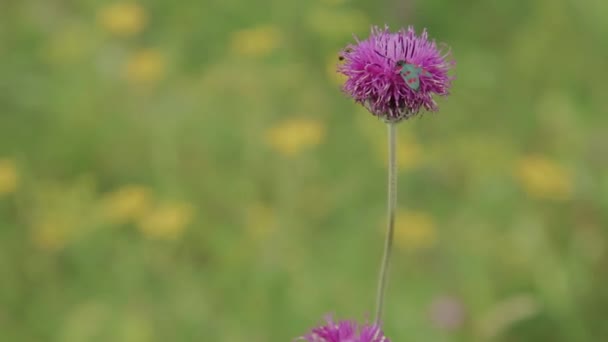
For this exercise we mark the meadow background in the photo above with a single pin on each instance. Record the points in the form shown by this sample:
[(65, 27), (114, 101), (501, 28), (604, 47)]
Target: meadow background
[(190, 171)]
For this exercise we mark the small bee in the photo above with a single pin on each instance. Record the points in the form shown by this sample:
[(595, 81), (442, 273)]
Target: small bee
[(341, 56)]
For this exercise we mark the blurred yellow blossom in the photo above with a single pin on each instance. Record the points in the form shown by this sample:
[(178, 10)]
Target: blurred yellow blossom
[(50, 235), (61, 212), (414, 230), (255, 42), (123, 19), (167, 221), (543, 178), (9, 177), (126, 204), (261, 221), (295, 135), (332, 73), (145, 67)]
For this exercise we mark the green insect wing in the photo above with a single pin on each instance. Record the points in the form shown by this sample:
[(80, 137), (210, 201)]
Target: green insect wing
[(411, 75)]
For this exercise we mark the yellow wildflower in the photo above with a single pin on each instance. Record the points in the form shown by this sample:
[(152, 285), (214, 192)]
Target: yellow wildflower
[(166, 222), (261, 220), (543, 178), (60, 213), (256, 42), (9, 177), (145, 67), (414, 230), (295, 135), (126, 204), (123, 19), (50, 235)]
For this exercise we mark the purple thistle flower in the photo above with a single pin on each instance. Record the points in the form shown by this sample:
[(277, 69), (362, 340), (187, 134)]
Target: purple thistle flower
[(394, 75), (345, 331)]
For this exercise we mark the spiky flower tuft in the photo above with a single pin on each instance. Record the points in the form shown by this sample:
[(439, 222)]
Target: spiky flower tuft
[(345, 331), (395, 75)]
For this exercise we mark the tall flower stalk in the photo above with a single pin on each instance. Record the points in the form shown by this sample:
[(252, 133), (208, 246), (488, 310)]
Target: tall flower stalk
[(390, 226), (394, 76)]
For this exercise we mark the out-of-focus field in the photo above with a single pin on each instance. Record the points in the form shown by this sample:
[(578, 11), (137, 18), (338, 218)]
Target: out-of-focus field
[(190, 171)]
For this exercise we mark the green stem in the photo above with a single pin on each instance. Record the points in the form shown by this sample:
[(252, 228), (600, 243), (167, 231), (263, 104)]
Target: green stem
[(392, 204)]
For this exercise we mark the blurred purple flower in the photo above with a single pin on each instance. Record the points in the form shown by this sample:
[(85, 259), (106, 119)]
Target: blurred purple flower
[(345, 331), (376, 77), (447, 313)]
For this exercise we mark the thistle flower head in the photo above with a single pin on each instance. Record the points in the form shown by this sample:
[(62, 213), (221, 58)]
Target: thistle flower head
[(345, 331), (394, 75)]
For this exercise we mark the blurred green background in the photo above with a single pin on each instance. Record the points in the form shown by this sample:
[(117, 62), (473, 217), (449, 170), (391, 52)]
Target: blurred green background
[(190, 171)]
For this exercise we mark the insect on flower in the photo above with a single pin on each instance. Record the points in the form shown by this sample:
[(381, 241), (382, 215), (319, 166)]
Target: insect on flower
[(341, 56), (395, 75), (409, 72)]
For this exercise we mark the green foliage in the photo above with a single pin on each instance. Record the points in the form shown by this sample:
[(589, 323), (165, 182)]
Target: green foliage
[(190, 171)]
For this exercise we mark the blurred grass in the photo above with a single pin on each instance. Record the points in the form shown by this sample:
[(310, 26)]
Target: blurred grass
[(189, 171)]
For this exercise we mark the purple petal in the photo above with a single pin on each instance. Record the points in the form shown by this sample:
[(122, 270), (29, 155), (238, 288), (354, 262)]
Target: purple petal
[(374, 79)]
